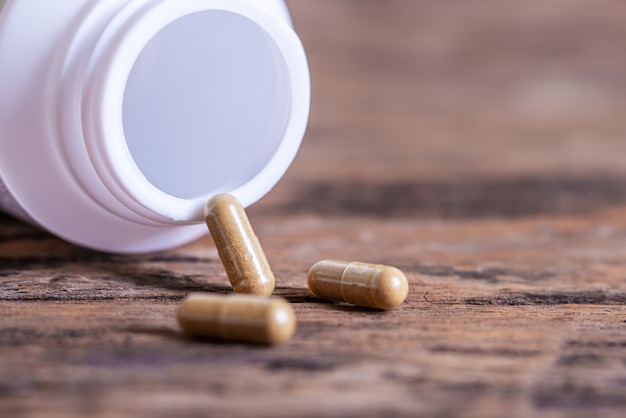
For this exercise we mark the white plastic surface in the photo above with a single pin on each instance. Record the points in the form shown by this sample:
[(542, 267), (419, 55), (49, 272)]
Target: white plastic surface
[(89, 113)]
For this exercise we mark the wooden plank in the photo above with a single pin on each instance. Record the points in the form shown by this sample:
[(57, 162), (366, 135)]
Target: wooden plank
[(478, 147)]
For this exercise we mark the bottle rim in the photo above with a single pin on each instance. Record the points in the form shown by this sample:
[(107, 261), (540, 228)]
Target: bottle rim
[(111, 63)]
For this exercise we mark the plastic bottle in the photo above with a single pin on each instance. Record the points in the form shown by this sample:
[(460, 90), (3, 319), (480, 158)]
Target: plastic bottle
[(120, 118)]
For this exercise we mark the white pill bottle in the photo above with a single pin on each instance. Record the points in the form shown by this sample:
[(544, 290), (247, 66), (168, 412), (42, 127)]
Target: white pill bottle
[(119, 118)]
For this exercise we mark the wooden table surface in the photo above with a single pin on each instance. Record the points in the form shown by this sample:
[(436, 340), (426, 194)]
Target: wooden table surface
[(479, 146)]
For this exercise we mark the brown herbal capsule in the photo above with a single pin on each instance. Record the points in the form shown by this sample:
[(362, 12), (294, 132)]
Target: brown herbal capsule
[(369, 285), (243, 318), (238, 247)]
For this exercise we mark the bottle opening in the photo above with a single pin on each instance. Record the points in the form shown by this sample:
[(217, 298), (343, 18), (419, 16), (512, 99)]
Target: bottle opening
[(206, 104), (184, 100)]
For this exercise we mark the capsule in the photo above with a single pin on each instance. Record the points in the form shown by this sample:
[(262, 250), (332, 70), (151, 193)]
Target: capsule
[(369, 285), (238, 247), (243, 318)]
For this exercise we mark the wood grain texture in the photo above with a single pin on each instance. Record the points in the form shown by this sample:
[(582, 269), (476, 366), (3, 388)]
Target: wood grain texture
[(476, 145)]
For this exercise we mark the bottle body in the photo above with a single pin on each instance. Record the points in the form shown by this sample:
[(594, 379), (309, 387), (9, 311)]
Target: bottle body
[(120, 118)]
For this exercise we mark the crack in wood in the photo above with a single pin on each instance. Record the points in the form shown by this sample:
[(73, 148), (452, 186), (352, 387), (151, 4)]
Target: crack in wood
[(465, 199), (566, 298)]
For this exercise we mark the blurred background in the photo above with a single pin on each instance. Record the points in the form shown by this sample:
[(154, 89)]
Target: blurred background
[(526, 99)]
